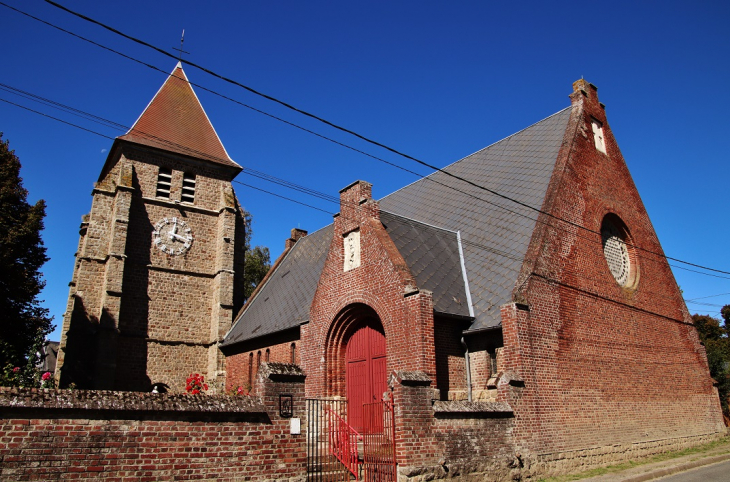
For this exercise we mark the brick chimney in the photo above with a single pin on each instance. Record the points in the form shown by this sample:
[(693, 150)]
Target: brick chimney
[(296, 235), (356, 204)]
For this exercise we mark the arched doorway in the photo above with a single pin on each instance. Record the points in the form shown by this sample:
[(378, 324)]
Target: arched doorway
[(366, 375)]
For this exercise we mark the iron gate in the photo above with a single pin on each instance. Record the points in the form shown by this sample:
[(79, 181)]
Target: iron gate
[(322, 463), (337, 452), (379, 464)]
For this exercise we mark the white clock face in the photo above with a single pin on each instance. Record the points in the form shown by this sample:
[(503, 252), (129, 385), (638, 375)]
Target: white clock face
[(172, 236)]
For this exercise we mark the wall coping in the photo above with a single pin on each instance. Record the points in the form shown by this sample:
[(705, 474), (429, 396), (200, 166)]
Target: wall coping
[(461, 406), (127, 401)]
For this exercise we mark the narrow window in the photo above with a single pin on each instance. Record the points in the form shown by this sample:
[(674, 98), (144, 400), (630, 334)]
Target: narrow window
[(293, 353), (164, 179), (268, 354), (258, 361), (188, 188), (250, 368), (598, 135)]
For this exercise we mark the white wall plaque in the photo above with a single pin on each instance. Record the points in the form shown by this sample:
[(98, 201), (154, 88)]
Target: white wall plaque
[(352, 250), (295, 427)]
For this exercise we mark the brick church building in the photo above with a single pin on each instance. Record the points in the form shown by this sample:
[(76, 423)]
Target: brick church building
[(546, 328), (515, 306)]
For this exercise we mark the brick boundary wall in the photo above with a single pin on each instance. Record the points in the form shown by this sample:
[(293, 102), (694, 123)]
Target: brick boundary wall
[(125, 436), (472, 441)]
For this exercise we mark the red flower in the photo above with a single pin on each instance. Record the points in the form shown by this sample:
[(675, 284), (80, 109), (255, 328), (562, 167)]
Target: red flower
[(16, 369)]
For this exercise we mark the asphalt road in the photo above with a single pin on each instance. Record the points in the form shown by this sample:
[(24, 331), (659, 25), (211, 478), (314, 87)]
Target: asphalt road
[(708, 473)]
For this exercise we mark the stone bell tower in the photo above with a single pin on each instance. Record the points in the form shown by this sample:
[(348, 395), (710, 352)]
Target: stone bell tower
[(159, 266)]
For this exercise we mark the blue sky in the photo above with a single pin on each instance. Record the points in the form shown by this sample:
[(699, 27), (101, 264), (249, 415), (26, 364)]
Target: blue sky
[(437, 80)]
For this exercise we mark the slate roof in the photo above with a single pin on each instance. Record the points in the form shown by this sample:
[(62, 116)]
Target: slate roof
[(422, 219), (432, 255), (284, 301), (495, 232), (175, 121)]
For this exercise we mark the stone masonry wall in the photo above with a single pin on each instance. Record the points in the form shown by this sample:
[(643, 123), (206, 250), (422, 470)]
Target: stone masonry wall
[(91, 435), (147, 316)]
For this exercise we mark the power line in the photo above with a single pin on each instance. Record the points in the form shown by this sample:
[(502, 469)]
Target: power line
[(273, 179), (710, 296), (385, 161), (56, 119), (353, 133)]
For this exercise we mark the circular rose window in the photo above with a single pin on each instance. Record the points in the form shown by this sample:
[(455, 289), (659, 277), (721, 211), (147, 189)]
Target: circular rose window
[(618, 251)]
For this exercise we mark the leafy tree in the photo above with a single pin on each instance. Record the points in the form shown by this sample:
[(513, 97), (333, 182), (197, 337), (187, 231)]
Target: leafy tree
[(23, 322), (717, 345), (257, 260)]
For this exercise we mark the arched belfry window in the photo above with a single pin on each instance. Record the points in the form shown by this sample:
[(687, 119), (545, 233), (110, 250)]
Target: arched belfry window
[(619, 251)]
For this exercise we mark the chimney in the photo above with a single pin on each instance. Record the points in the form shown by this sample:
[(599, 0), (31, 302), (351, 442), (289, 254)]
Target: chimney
[(296, 235)]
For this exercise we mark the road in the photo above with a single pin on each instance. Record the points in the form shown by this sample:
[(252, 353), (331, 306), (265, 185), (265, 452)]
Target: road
[(708, 473)]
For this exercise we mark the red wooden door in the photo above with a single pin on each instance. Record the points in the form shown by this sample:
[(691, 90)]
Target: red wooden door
[(366, 372)]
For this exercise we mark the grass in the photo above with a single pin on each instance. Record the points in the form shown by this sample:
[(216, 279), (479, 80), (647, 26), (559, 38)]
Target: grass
[(700, 449)]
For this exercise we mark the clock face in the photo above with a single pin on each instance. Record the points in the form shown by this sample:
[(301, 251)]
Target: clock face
[(172, 236)]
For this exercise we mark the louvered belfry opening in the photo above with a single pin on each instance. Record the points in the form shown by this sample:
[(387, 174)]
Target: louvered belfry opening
[(188, 188), (164, 182)]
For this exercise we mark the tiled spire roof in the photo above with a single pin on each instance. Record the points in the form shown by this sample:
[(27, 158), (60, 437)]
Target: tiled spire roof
[(175, 121)]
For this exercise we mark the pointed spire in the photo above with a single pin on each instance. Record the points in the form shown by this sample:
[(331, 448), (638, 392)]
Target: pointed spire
[(175, 121)]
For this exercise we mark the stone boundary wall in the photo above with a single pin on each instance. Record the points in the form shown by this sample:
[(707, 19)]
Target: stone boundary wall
[(126, 436), (559, 463)]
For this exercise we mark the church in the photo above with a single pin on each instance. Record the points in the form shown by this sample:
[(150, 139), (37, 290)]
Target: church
[(516, 303)]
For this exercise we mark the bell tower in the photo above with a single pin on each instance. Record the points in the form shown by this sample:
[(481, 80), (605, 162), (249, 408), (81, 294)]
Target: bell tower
[(159, 265)]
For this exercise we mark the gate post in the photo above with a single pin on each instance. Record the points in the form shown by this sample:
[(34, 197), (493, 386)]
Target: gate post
[(275, 380)]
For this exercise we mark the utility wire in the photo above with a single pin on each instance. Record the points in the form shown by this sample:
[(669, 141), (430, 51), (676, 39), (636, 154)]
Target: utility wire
[(513, 255), (358, 150), (711, 296), (355, 134), (273, 179)]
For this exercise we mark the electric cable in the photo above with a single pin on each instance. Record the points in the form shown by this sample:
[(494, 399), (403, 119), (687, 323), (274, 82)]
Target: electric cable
[(355, 134), (375, 157), (265, 176), (409, 221)]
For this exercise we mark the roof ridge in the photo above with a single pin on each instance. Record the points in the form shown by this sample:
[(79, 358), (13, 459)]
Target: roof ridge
[(480, 150)]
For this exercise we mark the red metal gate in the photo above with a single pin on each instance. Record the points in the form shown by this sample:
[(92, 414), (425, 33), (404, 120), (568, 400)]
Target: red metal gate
[(379, 463), (337, 452)]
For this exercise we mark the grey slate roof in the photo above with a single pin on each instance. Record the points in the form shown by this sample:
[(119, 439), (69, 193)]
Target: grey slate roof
[(284, 301), (422, 220), (495, 232), (432, 255)]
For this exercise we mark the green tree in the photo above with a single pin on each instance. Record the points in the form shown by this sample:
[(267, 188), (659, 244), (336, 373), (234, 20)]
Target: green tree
[(257, 260), (717, 345), (23, 322)]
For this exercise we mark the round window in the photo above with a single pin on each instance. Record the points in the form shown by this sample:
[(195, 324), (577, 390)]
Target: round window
[(618, 251)]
